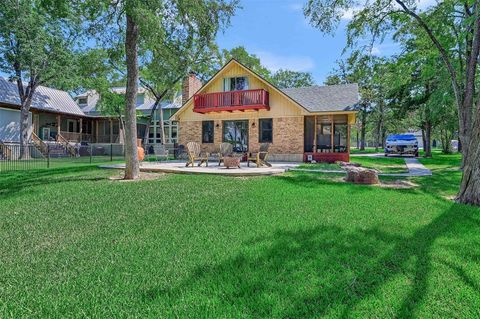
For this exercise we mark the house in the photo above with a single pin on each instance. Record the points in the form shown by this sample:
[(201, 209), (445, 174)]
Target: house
[(240, 107), (55, 116)]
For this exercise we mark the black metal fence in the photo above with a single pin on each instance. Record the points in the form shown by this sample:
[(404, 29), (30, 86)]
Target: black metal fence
[(14, 157)]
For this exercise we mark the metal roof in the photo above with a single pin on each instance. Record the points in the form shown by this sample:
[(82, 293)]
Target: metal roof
[(343, 97), (44, 98)]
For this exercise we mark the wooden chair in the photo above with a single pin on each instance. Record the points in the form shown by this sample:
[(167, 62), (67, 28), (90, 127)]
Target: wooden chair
[(225, 150), (260, 158), (195, 154)]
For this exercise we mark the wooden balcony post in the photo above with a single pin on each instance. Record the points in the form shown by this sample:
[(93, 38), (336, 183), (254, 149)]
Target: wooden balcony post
[(81, 128), (315, 132)]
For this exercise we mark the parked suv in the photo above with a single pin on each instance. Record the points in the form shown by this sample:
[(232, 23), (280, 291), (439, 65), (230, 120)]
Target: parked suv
[(401, 144)]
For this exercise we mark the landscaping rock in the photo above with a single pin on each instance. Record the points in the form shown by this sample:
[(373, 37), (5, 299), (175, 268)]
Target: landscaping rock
[(361, 175), (347, 164)]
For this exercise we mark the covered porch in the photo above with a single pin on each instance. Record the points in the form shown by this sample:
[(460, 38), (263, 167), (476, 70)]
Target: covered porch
[(327, 138), (55, 127)]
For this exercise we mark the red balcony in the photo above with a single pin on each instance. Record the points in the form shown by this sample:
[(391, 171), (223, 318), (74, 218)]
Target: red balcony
[(231, 101)]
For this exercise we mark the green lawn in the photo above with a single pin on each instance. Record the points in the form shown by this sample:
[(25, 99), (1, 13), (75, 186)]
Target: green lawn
[(382, 164), (76, 244)]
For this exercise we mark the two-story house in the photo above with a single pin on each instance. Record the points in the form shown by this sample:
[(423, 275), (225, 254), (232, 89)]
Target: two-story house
[(240, 107)]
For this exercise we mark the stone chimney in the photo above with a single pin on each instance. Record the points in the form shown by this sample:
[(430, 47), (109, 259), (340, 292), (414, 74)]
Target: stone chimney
[(191, 84)]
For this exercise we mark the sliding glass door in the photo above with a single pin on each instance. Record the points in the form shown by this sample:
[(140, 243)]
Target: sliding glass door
[(236, 133)]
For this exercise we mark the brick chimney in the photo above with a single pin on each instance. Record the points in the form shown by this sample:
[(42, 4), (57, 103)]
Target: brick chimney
[(191, 84)]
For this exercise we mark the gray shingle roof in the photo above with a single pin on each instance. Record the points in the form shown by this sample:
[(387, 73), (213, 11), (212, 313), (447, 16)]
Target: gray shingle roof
[(44, 98), (329, 98)]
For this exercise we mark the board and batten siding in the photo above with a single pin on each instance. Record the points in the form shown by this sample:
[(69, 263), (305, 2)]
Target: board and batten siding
[(10, 125)]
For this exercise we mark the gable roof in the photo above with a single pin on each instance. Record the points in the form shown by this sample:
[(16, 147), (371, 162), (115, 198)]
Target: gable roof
[(44, 98), (328, 98), (312, 99)]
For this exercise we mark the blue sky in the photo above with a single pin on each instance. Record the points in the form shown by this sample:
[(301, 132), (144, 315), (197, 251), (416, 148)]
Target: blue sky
[(280, 35)]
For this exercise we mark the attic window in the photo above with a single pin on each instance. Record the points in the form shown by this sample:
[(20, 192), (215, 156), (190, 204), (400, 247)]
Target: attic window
[(235, 84), (82, 100)]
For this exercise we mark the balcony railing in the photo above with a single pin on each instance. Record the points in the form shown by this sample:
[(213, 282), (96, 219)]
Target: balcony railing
[(231, 101)]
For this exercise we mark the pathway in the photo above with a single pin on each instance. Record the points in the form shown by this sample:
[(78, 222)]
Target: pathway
[(415, 168)]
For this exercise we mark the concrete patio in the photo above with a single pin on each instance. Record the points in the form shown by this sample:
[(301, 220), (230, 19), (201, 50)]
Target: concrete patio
[(178, 167)]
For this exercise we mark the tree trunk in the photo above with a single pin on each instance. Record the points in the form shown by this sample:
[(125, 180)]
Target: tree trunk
[(363, 132), (428, 136), (470, 186), (25, 128), (132, 167), (424, 141), (162, 126)]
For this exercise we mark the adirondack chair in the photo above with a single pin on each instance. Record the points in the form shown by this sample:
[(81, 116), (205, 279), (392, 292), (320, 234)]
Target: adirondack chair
[(195, 154), (260, 158), (225, 150)]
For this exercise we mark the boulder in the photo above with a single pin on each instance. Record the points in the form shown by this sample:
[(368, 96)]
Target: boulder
[(361, 175), (346, 164)]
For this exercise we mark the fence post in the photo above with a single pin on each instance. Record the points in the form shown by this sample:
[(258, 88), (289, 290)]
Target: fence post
[(48, 156), (111, 152), (91, 153)]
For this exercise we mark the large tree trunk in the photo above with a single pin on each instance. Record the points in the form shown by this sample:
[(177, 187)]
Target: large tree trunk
[(428, 141), (25, 127), (363, 131), (470, 186), (132, 168)]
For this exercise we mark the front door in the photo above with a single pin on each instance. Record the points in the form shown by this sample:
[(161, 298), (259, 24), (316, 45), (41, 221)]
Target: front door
[(236, 133), (45, 133)]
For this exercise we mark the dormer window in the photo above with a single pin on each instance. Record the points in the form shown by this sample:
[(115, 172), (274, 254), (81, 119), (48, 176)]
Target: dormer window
[(82, 100), (140, 98), (239, 83)]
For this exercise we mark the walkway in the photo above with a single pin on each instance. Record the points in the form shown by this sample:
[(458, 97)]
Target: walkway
[(213, 168), (415, 168)]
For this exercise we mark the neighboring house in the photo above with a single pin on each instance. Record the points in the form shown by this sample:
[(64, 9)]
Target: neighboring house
[(55, 115), (240, 107), (88, 102)]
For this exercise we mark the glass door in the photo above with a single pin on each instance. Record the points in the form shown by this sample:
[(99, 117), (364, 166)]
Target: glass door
[(236, 133)]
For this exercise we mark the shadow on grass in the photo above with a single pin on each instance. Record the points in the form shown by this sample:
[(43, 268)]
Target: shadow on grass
[(13, 182), (322, 271)]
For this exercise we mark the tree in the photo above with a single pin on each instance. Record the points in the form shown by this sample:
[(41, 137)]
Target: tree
[(138, 24), (37, 47), (453, 28), (289, 79), (251, 61)]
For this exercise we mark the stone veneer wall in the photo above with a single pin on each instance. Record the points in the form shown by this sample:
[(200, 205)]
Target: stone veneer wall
[(287, 144)]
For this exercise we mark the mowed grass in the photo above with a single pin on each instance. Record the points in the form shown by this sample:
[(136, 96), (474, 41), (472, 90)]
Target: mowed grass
[(76, 244)]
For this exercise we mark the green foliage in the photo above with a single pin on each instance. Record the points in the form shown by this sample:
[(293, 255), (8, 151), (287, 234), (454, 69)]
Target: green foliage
[(39, 41), (281, 78), (289, 79)]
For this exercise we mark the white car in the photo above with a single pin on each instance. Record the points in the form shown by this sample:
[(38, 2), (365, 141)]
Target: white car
[(401, 144)]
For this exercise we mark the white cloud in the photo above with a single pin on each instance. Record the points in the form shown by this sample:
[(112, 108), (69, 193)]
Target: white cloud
[(274, 62), (375, 50), (425, 4), (348, 14)]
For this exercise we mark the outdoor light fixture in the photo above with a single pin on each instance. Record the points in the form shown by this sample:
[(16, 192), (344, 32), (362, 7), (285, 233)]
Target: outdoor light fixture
[(217, 126), (253, 124)]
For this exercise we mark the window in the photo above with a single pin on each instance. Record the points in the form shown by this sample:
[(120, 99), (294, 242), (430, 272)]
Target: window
[(71, 126), (207, 132), (265, 133), (140, 99), (82, 100), (236, 133), (235, 84)]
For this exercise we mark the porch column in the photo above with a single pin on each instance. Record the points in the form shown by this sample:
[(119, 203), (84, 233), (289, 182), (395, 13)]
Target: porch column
[(96, 131), (111, 130), (331, 133), (315, 132), (81, 129), (348, 138), (59, 119)]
